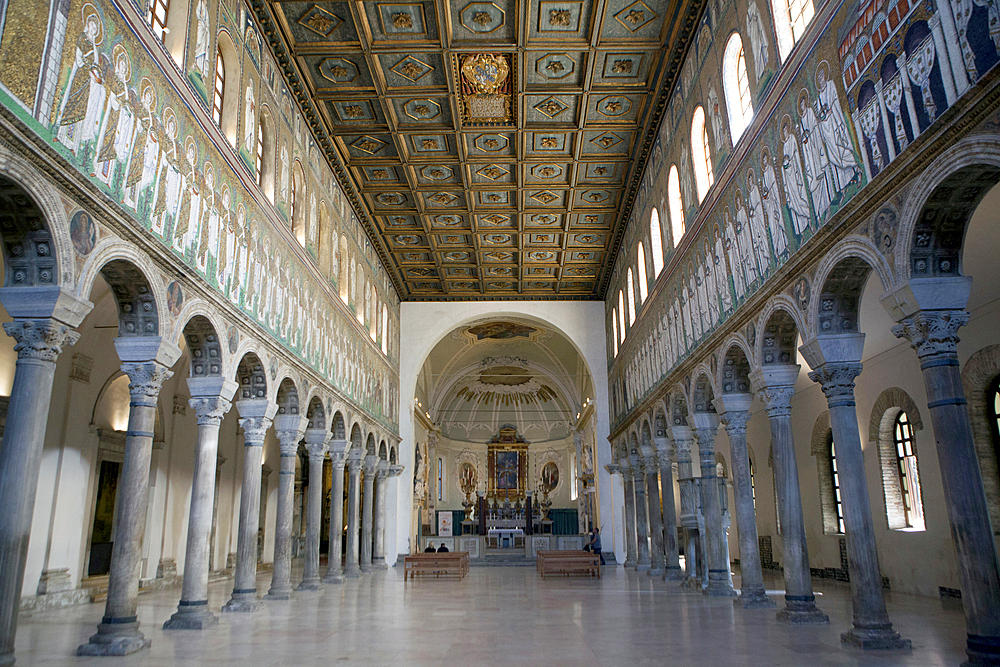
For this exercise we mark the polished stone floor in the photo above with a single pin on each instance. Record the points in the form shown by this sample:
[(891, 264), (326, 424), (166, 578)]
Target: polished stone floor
[(502, 616)]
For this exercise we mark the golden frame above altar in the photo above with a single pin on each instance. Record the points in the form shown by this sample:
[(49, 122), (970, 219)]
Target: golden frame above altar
[(507, 465)]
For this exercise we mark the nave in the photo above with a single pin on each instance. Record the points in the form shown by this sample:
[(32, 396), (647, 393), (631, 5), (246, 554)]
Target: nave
[(507, 615)]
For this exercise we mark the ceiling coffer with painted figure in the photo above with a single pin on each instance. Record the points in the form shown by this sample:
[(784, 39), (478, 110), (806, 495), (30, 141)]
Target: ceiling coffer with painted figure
[(491, 374), (532, 117)]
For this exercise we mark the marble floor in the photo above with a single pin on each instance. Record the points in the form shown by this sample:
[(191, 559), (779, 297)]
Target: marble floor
[(502, 616)]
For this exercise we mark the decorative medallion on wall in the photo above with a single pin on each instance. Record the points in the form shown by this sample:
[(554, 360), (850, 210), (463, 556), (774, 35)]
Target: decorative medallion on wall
[(486, 88)]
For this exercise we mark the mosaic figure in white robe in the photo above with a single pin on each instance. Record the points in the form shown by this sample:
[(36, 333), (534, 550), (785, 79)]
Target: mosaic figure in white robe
[(744, 238), (718, 126), (226, 245), (758, 38), (250, 124), (283, 182), (816, 159), (796, 188), (80, 111), (733, 252), (168, 185), (772, 206), (711, 286), (721, 272), (833, 128), (202, 38), (118, 125), (758, 224), (694, 305), (208, 232)]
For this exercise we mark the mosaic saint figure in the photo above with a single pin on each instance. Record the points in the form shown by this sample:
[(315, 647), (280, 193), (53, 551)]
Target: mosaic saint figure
[(744, 237), (202, 38), (115, 139), (772, 205), (796, 188), (733, 252), (758, 225), (223, 246), (190, 201), (145, 147), (721, 272), (80, 112), (833, 129), (718, 127), (283, 190), (758, 38), (168, 185), (250, 124), (208, 231), (816, 159)]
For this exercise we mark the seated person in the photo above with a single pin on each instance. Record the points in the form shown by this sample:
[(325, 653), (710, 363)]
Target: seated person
[(442, 549), (430, 548)]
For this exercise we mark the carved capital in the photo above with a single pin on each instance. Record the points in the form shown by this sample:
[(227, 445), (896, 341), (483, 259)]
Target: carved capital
[(288, 437), (613, 469), (777, 400), (254, 430), (396, 470), (209, 409), (368, 466), (736, 422), (338, 459), (683, 449), (837, 380), (40, 339), (354, 464), (577, 439), (145, 379), (317, 451), (932, 332)]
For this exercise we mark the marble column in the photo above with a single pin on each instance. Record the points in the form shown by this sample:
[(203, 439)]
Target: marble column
[(631, 554), (934, 336), (39, 343), (338, 457), (368, 505), (289, 429), (615, 469), (118, 633), (382, 473), (641, 520), (871, 627), (735, 410), (255, 419), (716, 539), (776, 386), (354, 462), (210, 400), (656, 559), (317, 441), (672, 562), (689, 504)]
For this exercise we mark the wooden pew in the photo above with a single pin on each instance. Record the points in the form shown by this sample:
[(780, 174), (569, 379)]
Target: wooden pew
[(452, 563), (568, 562)]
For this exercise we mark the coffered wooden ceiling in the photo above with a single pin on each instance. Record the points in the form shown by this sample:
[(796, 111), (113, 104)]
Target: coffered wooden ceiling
[(492, 149)]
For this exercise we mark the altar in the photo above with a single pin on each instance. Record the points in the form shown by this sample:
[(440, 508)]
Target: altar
[(505, 538)]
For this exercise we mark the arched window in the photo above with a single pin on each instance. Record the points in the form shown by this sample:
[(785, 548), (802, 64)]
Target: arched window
[(621, 314), (258, 158), (909, 478), (631, 298), (835, 480), (701, 154), (297, 205), (344, 270), (385, 330), (676, 205), (791, 18), (656, 242), (614, 322), (641, 256), (736, 85), (373, 325), (220, 87), (156, 16)]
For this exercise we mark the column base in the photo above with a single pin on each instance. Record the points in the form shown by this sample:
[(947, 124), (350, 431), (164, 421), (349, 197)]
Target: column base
[(643, 567), (982, 651), (673, 573), (7, 659), (719, 588), (378, 563), (630, 562), (309, 585), (694, 583), (352, 572), (335, 577), (801, 612), (283, 594), (191, 616), (243, 602), (366, 567), (656, 571), (754, 599), (115, 639), (877, 639)]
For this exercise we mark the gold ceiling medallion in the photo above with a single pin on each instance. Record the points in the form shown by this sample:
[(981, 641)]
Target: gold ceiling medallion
[(486, 88), (457, 256), (379, 174), (390, 198), (550, 107), (411, 69), (545, 197), (495, 219), (402, 19), (320, 21), (559, 16), (491, 143), (367, 144), (493, 172), (443, 198), (635, 16), (606, 140), (499, 256), (614, 106), (482, 17)]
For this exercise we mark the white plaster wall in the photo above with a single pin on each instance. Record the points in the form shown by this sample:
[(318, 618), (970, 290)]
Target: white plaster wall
[(422, 325)]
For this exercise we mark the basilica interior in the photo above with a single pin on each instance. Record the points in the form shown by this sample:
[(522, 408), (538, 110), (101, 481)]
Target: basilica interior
[(515, 332)]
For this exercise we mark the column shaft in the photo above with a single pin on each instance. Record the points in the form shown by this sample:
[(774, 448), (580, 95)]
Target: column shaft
[(366, 517), (334, 574), (670, 547), (281, 576), (752, 593), (641, 522), (314, 517), (39, 343), (378, 554), (800, 602), (715, 535), (933, 334), (351, 566), (118, 633), (656, 559), (192, 611), (630, 532)]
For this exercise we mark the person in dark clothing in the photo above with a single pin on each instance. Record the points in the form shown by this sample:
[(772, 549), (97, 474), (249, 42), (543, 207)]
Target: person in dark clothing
[(430, 548), (442, 549), (595, 543)]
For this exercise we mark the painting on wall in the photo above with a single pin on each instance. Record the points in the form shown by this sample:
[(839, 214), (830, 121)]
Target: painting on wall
[(501, 330)]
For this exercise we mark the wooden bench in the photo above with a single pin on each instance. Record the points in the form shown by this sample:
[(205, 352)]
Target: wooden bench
[(452, 563), (568, 562)]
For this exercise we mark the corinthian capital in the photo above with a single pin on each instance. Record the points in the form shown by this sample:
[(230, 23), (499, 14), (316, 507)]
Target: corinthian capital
[(209, 409), (777, 400), (932, 332), (338, 457), (837, 380), (736, 422), (254, 430), (145, 379), (40, 339)]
